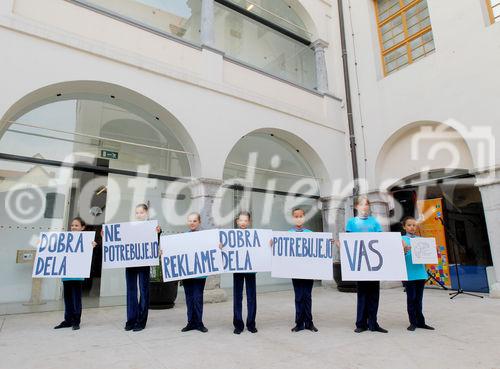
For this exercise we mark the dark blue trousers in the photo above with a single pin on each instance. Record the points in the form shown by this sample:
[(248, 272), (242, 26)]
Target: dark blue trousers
[(303, 301), (238, 280), (414, 297), (72, 291), (137, 297), (193, 288), (368, 298)]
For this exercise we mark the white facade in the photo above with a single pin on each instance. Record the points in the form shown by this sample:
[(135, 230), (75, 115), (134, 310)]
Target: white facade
[(57, 50), (453, 91), (198, 96)]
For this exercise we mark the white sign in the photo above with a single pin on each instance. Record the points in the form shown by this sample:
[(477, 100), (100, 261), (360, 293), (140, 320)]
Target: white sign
[(190, 255), (372, 256), (423, 250), (130, 244), (246, 250), (64, 255), (304, 255)]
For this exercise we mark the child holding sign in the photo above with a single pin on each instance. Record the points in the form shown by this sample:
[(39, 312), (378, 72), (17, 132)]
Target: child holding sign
[(302, 287), (72, 290), (243, 222), (417, 275), (138, 306), (368, 291), (193, 288)]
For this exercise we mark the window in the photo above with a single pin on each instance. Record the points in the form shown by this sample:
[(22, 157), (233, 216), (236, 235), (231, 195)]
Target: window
[(405, 32), (493, 10), (179, 18)]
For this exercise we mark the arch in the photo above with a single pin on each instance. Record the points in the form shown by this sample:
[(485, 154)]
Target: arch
[(307, 18), (113, 94), (291, 14), (307, 163), (422, 147)]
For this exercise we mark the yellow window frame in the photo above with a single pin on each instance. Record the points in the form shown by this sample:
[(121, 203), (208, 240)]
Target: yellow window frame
[(407, 39), (490, 7)]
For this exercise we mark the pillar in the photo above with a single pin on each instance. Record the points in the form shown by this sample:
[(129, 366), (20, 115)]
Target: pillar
[(208, 23), (490, 194), (204, 193), (321, 73)]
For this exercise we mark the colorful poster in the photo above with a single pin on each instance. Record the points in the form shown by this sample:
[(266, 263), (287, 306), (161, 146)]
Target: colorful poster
[(430, 214)]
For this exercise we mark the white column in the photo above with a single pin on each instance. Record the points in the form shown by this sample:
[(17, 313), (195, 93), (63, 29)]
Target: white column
[(204, 194), (321, 73), (490, 194), (208, 23)]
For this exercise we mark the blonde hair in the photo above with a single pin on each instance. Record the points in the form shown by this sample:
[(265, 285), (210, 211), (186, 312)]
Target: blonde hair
[(360, 199)]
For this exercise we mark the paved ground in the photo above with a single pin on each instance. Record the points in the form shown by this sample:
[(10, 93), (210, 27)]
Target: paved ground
[(467, 336)]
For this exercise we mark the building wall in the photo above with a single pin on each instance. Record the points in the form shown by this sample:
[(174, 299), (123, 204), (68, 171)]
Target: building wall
[(456, 85), (56, 47), (57, 35)]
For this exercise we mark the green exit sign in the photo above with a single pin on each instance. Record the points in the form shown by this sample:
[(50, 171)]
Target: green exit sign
[(108, 154)]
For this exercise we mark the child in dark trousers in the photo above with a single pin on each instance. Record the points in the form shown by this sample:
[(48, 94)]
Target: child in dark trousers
[(72, 290), (138, 306), (417, 275), (243, 221), (193, 288), (368, 291), (302, 287)]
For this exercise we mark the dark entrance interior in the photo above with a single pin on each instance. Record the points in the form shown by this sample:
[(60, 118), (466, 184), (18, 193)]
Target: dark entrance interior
[(465, 226), (88, 201)]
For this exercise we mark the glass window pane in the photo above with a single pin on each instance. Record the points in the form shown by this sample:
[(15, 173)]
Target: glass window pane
[(34, 198), (386, 8), (84, 130), (496, 10), (392, 32), (396, 33), (396, 59), (275, 160), (180, 18), (259, 46), (417, 18), (277, 12)]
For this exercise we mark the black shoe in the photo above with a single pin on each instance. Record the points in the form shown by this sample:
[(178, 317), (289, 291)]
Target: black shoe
[(411, 327), (137, 329), (237, 331), (76, 327), (63, 324), (252, 330), (425, 326), (360, 330), (203, 329), (128, 327), (187, 328), (311, 327), (297, 329), (379, 329)]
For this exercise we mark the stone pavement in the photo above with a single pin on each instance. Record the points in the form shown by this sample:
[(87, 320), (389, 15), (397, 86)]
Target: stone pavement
[(467, 336)]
